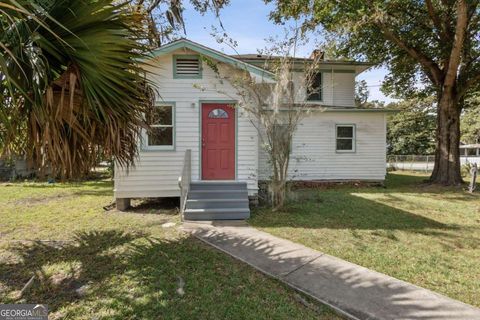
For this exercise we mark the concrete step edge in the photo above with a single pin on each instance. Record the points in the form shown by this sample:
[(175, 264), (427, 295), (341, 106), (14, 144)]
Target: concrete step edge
[(219, 210), (212, 217), (217, 200), (218, 182), (218, 190)]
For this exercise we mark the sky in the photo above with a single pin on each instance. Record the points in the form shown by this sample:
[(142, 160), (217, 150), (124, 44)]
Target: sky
[(246, 22)]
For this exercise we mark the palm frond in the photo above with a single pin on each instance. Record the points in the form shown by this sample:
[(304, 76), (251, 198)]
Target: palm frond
[(76, 83)]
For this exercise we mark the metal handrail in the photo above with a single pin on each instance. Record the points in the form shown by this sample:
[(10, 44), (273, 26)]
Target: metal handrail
[(185, 179)]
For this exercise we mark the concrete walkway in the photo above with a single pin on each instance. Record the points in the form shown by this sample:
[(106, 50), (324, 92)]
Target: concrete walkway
[(355, 291)]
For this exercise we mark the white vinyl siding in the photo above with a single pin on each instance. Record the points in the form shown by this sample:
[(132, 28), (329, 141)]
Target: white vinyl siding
[(314, 155), (156, 172), (338, 88)]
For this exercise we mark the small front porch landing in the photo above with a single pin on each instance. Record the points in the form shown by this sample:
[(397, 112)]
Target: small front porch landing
[(212, 199), (217, 200)]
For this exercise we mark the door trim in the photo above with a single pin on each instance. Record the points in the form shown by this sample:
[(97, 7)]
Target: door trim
[(200, 109)]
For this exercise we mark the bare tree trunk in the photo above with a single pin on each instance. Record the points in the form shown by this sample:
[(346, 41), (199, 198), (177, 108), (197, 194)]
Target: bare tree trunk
[(279, 195), (278, 185), (447, 156)]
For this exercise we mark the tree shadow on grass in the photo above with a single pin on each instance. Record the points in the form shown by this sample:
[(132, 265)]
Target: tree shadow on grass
[(344, 211), (81, 260), (360, 292), (343, 207), (397, 183), (156, 205), (134, 276), (408, 183)]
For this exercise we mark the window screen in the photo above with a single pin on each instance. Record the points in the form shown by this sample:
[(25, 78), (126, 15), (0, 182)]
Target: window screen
[(345, 138), (161, 121), (314, 90)]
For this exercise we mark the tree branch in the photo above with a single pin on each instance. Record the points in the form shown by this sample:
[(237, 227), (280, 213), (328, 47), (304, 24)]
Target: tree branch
[(455, 54), (431, 67), (437, 22), (153, 6), (464, 88)]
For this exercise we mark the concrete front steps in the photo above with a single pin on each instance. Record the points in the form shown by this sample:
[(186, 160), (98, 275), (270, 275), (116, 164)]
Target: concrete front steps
[(217, 200)]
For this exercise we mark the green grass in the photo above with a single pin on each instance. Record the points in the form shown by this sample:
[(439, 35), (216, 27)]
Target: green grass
[(426, 235), (128, 264)]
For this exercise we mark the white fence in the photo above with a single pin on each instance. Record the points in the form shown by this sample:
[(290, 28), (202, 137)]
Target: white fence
[(422, 163)]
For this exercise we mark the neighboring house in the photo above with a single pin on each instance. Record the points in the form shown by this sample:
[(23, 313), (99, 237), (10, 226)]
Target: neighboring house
[(470, 153), (338, 142), (470, 150)]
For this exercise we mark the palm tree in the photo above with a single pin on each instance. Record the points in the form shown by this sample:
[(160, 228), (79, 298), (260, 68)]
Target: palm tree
[(71, 87)]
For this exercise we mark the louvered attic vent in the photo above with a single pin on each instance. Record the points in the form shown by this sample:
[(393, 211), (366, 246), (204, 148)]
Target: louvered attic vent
[(187, 67)]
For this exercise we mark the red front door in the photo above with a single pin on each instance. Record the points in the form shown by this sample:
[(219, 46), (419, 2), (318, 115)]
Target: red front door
[(218, 142)]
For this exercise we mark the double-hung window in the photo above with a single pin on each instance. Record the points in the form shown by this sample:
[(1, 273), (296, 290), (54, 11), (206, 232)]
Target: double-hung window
[(161, 135), (314, 89), (345, 136)]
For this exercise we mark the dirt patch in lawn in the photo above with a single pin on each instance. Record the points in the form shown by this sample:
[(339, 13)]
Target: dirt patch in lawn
[(35, 201)]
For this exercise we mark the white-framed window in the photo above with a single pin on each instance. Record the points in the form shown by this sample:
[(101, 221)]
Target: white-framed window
[(345, 136), (161, 135)]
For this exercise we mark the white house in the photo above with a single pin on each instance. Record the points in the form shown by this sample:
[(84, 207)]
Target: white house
[(198, 135)]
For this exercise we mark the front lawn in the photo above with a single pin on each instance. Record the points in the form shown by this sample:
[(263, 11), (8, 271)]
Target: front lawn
[(426, 235), (92, 264)]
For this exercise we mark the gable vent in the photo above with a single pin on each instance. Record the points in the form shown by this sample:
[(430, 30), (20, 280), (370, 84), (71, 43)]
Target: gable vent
[(187, 67)]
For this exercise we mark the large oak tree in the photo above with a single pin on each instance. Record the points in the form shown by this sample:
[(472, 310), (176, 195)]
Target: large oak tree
[(434, 41)]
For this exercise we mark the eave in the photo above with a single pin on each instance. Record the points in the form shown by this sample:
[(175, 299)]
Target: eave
[(211, 53)]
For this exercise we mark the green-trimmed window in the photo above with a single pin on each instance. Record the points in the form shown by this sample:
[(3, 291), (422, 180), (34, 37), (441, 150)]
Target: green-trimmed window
[(161, 135), (187, 67), (314, 90), (345, 136)]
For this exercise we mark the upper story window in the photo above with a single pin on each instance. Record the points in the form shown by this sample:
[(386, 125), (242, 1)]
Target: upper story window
[(161, 135), (187, 67), (345, 136), (314, 90)]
